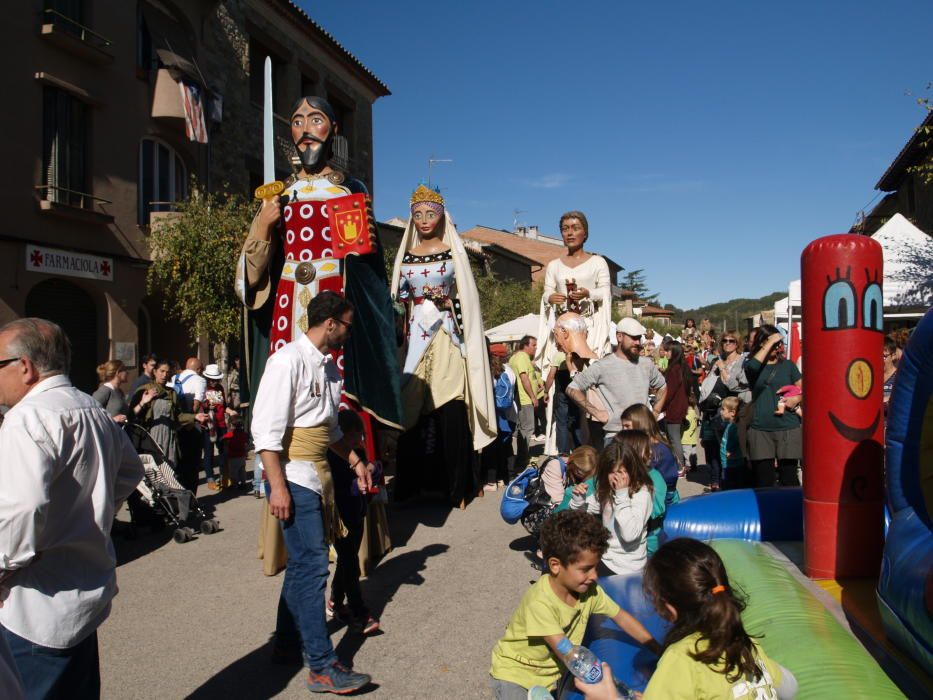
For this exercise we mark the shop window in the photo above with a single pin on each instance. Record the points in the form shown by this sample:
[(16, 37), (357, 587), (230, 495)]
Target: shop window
[(64, 148), (163, 179)]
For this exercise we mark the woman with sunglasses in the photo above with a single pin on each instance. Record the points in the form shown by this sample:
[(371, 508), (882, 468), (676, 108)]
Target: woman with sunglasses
[(772, 436), (728, 366)]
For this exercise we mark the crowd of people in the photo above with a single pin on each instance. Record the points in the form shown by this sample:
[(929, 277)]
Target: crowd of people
[(190, 415), (692, 389), (620, 413)]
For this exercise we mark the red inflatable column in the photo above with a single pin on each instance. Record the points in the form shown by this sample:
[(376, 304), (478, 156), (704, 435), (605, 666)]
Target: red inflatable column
[(843, 420)]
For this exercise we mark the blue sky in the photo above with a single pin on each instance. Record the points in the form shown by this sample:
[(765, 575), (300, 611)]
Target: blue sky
[(707, 143)]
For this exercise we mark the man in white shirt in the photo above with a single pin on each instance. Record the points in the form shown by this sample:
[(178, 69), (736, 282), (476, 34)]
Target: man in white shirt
[(294, 423), (193, 440), (65, 469)]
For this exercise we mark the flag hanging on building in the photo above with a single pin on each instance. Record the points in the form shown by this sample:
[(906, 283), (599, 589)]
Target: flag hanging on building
[(192, 98)]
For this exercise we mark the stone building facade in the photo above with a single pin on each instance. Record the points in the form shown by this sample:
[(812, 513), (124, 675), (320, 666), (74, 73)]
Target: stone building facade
[(97, 150)]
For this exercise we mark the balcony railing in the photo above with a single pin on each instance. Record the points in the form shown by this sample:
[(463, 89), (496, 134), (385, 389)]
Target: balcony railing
[(74, 198), (86, 34), (72, 204)]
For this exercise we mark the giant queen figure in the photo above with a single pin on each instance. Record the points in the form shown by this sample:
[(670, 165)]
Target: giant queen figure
[(447, 393), (291, 254)]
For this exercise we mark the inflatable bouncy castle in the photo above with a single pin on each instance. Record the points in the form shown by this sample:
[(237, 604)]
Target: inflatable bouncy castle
[(839, 574)]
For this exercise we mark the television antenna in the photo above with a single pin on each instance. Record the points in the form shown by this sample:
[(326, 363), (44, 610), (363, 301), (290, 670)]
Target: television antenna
[(515, 214), (431, 161)]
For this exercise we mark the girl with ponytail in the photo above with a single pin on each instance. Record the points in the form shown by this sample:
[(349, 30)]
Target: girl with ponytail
[(708, 653)]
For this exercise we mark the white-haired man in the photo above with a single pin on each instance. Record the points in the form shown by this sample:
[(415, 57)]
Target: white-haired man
[(66, 469)]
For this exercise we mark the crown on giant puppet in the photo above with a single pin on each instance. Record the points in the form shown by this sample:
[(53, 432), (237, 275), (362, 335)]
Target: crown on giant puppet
[(426, 194)]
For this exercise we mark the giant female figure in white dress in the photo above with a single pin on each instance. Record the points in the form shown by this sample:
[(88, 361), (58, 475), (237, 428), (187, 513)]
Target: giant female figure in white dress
[(579, 282), (447, 394)]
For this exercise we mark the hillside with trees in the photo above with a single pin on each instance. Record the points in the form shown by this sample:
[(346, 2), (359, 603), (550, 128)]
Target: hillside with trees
[(731, 312)]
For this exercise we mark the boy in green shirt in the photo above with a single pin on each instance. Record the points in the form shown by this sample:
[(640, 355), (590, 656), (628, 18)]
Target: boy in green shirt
[(558, 605)]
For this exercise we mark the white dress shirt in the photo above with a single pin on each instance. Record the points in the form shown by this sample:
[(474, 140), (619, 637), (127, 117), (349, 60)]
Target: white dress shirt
[(65, 467), (300, 388)]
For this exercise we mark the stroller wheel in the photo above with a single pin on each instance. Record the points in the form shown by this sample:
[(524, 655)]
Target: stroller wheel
[(181, 535), (209, 527), (190, 531)]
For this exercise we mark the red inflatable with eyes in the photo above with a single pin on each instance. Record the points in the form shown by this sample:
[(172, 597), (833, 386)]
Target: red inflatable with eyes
[(843, 425)]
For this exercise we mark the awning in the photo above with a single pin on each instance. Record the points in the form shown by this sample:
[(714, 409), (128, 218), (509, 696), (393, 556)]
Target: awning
[(171, 42)]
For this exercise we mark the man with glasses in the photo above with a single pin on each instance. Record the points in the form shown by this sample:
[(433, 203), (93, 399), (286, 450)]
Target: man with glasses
[(623, 378), (294, 424), (66, 469)]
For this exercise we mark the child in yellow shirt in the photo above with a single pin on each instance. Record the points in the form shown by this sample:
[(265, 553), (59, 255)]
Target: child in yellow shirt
[(558, 605), (691, 431), (708, 653)]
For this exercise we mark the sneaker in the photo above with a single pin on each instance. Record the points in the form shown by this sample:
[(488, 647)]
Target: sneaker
[(337, 679), (256, 494), (490, 487), (366, 624), (340, 612), (536, 561)]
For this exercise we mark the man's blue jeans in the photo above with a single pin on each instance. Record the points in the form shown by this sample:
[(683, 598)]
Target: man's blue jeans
[(301, 604), (207, 461), (57, 673)]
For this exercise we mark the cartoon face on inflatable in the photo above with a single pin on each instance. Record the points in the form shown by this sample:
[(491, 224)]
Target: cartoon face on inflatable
[(853, 312), (843, 405)]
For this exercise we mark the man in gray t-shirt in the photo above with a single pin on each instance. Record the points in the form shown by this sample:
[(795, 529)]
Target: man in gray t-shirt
[(623, 378)]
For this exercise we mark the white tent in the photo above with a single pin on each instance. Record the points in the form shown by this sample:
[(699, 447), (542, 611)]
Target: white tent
[(908, 260), (514, 330)]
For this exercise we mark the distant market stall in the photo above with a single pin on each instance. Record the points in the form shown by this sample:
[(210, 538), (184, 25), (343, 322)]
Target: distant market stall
[(513, 331)]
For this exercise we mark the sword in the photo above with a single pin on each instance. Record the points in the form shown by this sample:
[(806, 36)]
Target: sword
[(268, 143), (271, 188)]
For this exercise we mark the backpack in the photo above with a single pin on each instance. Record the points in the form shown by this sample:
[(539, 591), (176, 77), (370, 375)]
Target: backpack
[(177, 384)]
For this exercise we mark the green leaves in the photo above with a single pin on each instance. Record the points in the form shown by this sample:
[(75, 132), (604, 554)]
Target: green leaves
[(502, 300), (194, 254)]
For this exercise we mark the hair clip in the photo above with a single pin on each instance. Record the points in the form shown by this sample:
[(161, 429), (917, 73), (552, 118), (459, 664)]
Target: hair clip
[(718, 589)]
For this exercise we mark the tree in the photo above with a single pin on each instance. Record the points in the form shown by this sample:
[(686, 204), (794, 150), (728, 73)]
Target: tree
[(193, 262), (502, 300), (924, 169), (634, 280)]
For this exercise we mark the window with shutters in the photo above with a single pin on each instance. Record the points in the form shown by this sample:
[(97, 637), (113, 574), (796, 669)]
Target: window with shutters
[(64, 148), (163, 179)]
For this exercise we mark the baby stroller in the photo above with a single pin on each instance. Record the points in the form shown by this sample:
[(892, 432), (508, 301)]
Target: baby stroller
[(161, 491), (525, 498)]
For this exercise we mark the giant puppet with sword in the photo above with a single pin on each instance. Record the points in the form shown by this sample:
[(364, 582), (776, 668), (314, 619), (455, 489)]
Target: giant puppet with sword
[(316, 232)]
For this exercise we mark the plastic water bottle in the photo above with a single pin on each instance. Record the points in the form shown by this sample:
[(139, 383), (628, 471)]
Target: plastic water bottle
[(580, 661), (585, 665)]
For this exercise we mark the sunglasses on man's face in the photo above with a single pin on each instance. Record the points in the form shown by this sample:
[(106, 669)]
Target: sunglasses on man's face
[(729, 340)]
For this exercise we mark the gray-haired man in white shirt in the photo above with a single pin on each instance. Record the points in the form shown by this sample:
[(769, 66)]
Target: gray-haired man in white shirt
[(294, 423), (65, 468)]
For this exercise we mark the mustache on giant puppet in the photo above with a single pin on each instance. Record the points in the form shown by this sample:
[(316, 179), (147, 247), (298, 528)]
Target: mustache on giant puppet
[(316, 152)]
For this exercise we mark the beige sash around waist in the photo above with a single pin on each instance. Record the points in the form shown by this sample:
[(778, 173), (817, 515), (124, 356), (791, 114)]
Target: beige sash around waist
[(310, 445)]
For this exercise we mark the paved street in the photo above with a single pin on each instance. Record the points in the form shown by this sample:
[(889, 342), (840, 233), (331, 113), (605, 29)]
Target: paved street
[(194, 620)]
